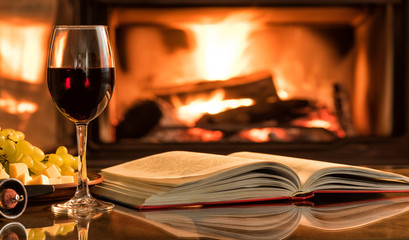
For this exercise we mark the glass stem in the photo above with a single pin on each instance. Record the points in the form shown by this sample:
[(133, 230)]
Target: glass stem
[(82, 227), (82, 187)]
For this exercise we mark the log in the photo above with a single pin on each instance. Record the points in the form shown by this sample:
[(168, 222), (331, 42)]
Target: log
[(256, 86), (140, 119), (282, 112)]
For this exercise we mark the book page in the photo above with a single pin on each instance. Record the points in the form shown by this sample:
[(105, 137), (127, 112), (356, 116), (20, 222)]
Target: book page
[(303, 167), (325, 176), (353, 215), (177, 165)]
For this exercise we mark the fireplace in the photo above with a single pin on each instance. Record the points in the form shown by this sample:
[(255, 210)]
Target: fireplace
[(321, 79), (224, 75)]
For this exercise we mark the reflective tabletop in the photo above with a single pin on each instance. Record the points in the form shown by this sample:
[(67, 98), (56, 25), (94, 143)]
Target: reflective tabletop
[(326, 216)]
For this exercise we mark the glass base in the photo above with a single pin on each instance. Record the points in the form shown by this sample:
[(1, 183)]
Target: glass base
[(81, 206)]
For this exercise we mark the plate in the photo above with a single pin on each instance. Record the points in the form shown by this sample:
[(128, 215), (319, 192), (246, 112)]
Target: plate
[(66, 190)]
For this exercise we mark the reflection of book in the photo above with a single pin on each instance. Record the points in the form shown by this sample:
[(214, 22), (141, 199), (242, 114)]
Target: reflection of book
[(189, 178), (269, 221)]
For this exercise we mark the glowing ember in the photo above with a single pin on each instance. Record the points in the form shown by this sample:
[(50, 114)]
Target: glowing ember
[(264, 134), (322, 118), (318, 123), (212, 104), (257, 135), (205, 135)]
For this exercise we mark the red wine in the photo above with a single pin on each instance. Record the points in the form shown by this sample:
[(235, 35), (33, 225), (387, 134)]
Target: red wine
[(81, 95)]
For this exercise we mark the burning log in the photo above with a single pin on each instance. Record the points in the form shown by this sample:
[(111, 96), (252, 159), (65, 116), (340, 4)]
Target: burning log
[(257, 86), (282, 112)]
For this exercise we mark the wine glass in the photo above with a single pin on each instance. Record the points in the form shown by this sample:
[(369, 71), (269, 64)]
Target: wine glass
[(80, 79)]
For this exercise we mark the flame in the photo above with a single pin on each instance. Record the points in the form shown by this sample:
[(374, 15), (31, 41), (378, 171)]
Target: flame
[(12, 106), (219, 46), (22, 51), (283, 94), (212, 104)]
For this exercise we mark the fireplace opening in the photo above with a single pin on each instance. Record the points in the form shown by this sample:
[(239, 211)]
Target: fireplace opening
[(245, 74), (221, 76)]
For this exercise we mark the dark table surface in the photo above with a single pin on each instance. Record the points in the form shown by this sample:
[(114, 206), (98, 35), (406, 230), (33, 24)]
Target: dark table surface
[(326, 216)]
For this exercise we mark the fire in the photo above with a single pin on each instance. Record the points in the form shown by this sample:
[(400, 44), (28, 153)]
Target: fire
[(22, 51), (212, 104), (265, 134), (219, 46), (204, 135), (322, 118), (318, 123)]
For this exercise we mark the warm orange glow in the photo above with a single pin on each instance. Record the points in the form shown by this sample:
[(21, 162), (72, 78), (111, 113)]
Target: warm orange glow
[(318, 123), (22, 51), (60, 42), (258, 135), (321, 119), (212, 104), (205, 135), (13, 106), (219, 47), (283, 94), (264, 134)]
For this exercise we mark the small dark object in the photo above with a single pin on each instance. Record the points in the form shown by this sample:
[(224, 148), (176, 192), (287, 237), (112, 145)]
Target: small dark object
[(10, 198), (13, 231), (13, 198), (139, 120)]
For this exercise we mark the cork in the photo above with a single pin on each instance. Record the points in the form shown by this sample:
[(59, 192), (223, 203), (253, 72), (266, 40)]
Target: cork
[(9, 198)]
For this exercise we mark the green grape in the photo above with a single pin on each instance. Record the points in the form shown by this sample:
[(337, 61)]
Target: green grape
[(66, 170), (24, 147), (69, 227), (61, 150), (15, 158), (68, 159), (38, 167), (60, 231), (2, 139), (38, 154), (10, 134), (27, 160), (31, 234), (56, 159), (20, 135), (39, 235), (75, 164), (9, 148)]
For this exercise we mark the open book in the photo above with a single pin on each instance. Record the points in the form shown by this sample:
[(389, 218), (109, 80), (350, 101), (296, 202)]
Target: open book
[(181, 178), (272, 221)]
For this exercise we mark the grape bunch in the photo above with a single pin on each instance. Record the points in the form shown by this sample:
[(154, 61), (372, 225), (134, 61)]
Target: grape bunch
[(14, 148), (55, 231)]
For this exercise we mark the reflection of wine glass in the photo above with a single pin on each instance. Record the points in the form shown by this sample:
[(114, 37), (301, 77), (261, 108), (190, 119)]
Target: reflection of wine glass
[(80, 80)]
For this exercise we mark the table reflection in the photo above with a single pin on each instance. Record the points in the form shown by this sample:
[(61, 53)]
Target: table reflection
[(339, 216), (13, 231)]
